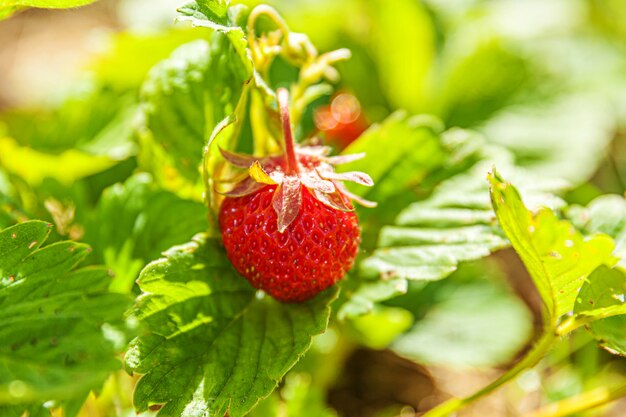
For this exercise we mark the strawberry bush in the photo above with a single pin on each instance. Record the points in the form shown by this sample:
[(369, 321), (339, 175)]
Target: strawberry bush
[(402, 208)]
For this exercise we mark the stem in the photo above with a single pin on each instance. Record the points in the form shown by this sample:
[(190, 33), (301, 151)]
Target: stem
[(212, 169), (572, 323), (311, 73), (544, 343), (581, 402), (283, 102), (259, 57), (270, 12)]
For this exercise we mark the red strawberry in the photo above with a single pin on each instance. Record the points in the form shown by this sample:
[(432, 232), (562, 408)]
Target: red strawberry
[(289, 227), (342, 121)]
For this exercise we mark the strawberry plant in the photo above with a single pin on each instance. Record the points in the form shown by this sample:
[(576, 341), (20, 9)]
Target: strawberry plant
[(205, 224)]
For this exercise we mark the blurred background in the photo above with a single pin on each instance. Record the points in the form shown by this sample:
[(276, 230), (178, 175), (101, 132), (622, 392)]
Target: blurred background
[(554, 67), (544, 78)]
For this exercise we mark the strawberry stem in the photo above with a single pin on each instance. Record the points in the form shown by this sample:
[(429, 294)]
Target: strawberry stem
[(283, 102)]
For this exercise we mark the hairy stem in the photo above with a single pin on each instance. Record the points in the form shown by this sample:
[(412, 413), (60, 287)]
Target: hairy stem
[(212, 169), (283, 102), (259, 56), (572, 323), (270, 12), (581, 402), (533, 356)]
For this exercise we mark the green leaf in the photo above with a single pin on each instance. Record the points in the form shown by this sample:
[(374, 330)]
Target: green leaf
[(10, 210), (403, 67), (6, 11), (469, 321), (49, 4), (601, 303), (60, 327), (478, 78), (300, 396), (213, 11), (399, 167), (362, 298), (184, 98), (8, 7), (34, 166), (602, 294), (401, 175), (547, 137), (431, 237), (605, 214), (217, 15), (153, 220), (418, 245), (556, 255), (213, 346), (415, 252), (33, 410), (220, 17), (143, 50), (63, 134), (381, 326)]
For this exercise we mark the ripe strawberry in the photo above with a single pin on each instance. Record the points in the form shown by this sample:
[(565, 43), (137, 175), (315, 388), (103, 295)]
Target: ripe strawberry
[(342, 121), (289, 227)]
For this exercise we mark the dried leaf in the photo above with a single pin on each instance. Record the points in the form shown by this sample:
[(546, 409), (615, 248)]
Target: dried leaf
[(365, 203), (314, 182), (259, 175), (334, 200), (238, 160), (354, 176), (235, 179), (287, 201), (245, 187)]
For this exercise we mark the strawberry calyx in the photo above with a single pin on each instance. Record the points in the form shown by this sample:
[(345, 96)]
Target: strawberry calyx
[(311, 167)]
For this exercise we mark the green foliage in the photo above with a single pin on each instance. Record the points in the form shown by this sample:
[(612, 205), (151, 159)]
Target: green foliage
[(219, 16), (154, 220), (212, 346), (403, 68), (60, 326), (84, 143), (397, 162), (556, 255), (300, 397), (559, 261), (142, 50), (431, 237), (381, 326), (601, 302), (480, 76), (125, 177), (400, 174), (34, 166), (8, 7), (466, 320), (412, 251), (556, 132), (216, 13), (64, 124), (183, 98), (605, 214)]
